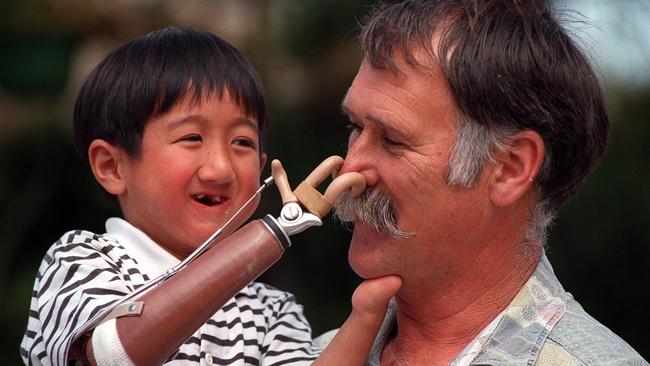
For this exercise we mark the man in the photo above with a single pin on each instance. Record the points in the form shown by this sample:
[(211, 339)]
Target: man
[(472, 122)]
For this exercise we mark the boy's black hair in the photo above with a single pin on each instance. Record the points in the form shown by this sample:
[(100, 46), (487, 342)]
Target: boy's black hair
[(147, 76)]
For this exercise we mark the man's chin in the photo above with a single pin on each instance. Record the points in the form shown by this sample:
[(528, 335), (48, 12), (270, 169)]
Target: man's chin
[(363, 269), (365, 253)]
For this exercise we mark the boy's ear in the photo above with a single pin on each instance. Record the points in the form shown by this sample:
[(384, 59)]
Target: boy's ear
[(516, 168), (105, 161), (263, 158)]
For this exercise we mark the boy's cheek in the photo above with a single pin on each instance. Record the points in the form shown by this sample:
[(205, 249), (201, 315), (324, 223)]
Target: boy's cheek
[(250, 171)]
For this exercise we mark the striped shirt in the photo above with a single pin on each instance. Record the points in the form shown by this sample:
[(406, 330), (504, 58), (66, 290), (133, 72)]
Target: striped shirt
[(83, 273)]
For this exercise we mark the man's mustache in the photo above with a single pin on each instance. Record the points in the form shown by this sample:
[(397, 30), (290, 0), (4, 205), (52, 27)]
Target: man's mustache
[(373, 207)]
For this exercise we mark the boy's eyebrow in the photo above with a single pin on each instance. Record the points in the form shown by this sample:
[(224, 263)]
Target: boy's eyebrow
[(200, 118), (247, 121)]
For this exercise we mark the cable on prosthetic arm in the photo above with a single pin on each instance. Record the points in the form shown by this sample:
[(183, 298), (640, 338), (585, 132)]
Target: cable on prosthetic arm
[(188, 294)]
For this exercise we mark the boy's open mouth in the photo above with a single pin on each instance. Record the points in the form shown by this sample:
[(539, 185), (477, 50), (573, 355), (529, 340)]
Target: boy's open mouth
[(208, 199)]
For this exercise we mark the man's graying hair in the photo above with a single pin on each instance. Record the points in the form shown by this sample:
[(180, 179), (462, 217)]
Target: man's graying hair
[(510, 67)]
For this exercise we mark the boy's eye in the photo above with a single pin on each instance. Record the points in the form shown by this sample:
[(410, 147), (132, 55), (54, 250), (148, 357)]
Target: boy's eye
[(245, 142), (192, 138)]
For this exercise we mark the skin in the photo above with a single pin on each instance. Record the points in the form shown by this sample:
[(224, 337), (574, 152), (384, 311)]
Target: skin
[(465, 263), (210, 148), (355, 337)]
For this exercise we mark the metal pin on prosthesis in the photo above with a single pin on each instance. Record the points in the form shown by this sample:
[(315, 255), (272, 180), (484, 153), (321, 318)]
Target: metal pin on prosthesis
[(292, 217)]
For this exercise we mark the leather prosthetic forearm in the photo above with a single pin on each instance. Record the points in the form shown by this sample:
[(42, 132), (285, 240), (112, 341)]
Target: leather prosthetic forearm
[(175, 309), (179, 304)]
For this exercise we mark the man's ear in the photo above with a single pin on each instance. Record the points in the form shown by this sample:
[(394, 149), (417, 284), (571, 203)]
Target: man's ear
[(516, 168), (105, 161)]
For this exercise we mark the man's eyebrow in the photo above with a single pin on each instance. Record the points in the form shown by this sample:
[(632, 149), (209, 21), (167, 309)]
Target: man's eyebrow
[(387, 127), (376, 121), (346, 110)]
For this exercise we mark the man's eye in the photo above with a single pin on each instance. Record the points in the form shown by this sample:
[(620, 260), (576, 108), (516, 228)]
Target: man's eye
[(353, 127), (393, 143)]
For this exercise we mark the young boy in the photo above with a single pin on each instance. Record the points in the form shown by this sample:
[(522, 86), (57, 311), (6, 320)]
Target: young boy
[(173, 125)]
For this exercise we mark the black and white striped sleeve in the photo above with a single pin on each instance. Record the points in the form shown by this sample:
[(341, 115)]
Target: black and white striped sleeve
[(76, 280), (288, 340)]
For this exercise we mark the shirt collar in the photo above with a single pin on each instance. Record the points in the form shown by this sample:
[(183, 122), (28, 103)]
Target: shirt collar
[(152, 258), (523, 327), (516, 335)]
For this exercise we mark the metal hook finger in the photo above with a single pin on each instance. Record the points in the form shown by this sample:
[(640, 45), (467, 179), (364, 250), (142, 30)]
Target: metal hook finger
[(355, 182), (323, 170), (282, 182), (319, 204)]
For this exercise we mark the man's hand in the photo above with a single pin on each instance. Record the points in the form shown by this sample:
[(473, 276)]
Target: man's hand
[(353, 341)]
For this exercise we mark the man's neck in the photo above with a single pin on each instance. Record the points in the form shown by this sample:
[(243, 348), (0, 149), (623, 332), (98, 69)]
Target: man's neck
[(437, 321)]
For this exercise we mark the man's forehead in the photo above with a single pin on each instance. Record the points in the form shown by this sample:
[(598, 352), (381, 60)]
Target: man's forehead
[(416, 81), (391, 101), (370, 77)]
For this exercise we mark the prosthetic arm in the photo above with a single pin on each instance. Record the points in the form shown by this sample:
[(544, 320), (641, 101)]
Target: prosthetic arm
[(187, 295)]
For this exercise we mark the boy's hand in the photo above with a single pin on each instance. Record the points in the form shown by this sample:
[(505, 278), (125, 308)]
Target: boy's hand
[(371, 298), (353, 341)]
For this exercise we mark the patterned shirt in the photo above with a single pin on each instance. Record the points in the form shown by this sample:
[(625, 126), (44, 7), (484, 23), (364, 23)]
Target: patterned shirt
[(83, 273), (542, 326)]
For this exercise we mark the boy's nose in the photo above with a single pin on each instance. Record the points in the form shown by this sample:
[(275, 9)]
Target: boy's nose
[(216, 168)]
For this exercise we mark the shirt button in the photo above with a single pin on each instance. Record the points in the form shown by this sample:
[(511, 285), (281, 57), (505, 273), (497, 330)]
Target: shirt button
[(208, 358)]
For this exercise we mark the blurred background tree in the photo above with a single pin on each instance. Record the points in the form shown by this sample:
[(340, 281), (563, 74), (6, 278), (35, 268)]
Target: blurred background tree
[(307, 54)]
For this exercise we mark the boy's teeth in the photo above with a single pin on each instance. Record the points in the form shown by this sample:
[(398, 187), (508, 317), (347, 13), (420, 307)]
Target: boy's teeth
[(214, 199)]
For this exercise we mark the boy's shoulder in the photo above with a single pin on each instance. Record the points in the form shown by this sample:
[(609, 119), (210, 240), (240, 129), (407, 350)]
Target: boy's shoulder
[(269, 297), (78, 239), (74, 238), (266, 293), (87, 247)]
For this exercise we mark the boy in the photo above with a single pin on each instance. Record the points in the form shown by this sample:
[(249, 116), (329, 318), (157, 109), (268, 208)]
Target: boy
[(173, 125)]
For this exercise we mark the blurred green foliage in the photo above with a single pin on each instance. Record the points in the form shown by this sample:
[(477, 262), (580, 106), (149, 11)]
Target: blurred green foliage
[(307, 54)]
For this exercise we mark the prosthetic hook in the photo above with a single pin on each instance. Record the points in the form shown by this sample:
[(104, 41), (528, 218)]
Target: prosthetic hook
[(292, 218), (240, 257)]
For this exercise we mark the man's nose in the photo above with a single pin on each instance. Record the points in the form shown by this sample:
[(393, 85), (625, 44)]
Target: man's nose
[(217, 168), (361, 158)]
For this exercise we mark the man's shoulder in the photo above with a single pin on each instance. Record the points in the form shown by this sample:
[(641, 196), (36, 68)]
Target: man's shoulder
[(579, 339)]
